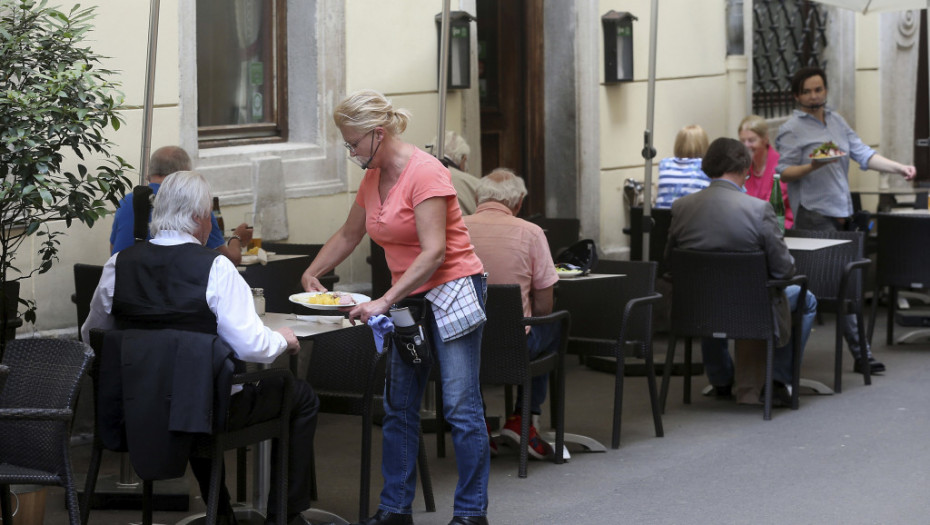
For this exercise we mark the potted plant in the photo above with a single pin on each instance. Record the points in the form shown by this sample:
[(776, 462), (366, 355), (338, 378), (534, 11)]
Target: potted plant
[(55, 101)]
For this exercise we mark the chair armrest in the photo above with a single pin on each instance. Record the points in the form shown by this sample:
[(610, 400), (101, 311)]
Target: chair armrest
[(800, 280), (558, 315), (632, 304), (35, 414), (860, 265), (258, 375)]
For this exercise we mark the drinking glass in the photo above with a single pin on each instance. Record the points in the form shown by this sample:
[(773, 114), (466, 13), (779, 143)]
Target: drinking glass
[(254, 221)]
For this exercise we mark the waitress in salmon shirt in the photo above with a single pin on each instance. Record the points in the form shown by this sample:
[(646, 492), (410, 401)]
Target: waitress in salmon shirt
[(754, 133), (406, 203)]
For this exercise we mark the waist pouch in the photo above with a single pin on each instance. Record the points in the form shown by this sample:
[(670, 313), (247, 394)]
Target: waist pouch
[(412, 343)]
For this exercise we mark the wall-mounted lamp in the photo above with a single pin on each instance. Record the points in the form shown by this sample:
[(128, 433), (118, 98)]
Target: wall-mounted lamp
[(459, 48), (618, 46)]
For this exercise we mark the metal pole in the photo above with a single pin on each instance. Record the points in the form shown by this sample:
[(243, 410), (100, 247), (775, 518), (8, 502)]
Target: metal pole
[(443, 82), (149, 90), (649, 151)]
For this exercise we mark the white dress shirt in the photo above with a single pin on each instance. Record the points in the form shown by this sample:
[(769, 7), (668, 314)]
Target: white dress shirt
[(228, 296)]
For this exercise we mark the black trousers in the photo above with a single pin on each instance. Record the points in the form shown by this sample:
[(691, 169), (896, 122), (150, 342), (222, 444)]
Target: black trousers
[(257, 403)]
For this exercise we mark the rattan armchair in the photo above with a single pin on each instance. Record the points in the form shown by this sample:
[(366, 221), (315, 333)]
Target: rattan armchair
[(505, 360), (835, 276), (347, 374), (727, 294), (36, 409), (209, 446)]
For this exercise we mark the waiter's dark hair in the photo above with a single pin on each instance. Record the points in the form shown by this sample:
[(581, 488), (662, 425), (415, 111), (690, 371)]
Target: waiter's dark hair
[(726, 155), (801, 75)]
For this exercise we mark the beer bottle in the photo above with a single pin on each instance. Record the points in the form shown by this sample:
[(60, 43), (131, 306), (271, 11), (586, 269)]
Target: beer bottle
[(778, 203), (217, 213)]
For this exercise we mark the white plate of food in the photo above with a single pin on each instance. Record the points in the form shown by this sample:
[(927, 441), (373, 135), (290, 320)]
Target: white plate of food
[(328, 300), (566, 273), (827, 151)]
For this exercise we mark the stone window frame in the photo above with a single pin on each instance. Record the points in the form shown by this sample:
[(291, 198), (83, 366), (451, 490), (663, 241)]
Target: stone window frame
[(312, 161)]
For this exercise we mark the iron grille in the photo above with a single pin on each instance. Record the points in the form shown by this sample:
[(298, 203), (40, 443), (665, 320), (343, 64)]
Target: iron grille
[(787, 35)]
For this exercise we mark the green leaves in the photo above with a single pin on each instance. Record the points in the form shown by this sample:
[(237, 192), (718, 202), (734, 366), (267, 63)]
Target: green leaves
[(56, 105)]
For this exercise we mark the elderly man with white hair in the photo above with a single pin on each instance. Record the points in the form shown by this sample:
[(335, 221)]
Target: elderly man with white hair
[(515, 251), (174, 281)]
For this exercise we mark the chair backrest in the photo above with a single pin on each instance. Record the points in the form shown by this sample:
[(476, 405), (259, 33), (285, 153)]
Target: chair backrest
[(824, 268), (86, 278), (560, 232), (903, 250), (658, 237), (329, 279), (380, 273), (639, 281), (594, 305), (345, 367), (279, 280), (720, 294), (4, 371), (504, 360), (11, 296), (44, 374)]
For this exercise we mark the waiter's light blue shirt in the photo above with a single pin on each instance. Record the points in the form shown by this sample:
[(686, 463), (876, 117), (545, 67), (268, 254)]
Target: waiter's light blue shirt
[(121, 236), (826, 189)]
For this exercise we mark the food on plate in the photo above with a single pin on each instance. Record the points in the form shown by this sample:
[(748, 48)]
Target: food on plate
[(567, 269), (252, 251), (826, 150), (332, 299)]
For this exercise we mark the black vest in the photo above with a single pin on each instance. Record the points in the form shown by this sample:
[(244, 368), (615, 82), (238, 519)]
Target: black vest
[(163, 287)]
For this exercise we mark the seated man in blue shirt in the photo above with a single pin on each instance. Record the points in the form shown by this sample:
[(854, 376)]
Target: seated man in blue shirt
[(165, 161)]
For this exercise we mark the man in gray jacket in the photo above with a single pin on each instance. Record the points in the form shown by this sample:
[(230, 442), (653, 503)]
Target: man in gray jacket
[(722, 217)]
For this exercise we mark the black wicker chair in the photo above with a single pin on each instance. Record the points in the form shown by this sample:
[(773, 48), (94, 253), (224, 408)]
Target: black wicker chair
[(208, 446), (903, 251), (329, 279), (834, 276), (505, 359), (727, 294), (596, 331), (86, 277), (347, 374), (4, 371), (560, 232), (36, 409), (658, 236)]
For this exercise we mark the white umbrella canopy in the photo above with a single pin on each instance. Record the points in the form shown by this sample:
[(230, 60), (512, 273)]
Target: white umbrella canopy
[(874, 6)]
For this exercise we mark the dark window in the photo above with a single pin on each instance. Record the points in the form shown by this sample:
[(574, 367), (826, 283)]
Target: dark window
[(787, 35), (241, 72)]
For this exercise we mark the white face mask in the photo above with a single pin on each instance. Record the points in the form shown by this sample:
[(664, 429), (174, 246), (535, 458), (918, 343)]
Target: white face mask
[(356, 161)]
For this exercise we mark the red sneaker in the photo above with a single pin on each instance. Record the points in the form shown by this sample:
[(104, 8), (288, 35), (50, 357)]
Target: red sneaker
[(538, 447)]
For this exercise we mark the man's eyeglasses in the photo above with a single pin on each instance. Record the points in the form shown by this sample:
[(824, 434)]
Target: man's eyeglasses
[(352, 147)]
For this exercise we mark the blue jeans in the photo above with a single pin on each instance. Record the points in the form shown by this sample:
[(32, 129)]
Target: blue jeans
[(719, 365), (459, 366), (543, 339)]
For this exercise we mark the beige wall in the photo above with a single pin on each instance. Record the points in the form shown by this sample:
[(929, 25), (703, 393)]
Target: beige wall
[(391, 47), (691, 88)]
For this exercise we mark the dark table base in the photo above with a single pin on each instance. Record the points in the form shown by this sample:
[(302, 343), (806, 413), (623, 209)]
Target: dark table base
[(167, 495)]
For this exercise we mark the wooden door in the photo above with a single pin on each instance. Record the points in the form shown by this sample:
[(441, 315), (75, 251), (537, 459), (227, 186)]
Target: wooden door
[(922, 109), (510, 76)]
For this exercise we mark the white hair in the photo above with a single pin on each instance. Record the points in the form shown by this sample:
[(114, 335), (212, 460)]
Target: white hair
[(181, 198), (454, 147), (502, 185)]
